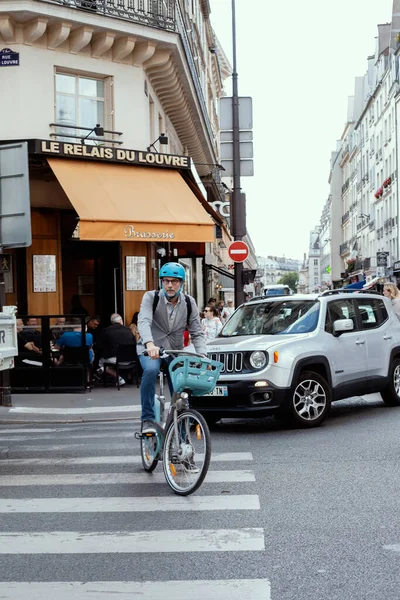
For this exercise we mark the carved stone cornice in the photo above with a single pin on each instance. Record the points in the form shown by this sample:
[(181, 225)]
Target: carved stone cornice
[(158, 52)]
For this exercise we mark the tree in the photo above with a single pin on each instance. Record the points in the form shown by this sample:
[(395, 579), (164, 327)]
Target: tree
[(291, 279)]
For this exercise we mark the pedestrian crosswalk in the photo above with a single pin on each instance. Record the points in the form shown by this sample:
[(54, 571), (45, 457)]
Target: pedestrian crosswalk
[(80, 519)]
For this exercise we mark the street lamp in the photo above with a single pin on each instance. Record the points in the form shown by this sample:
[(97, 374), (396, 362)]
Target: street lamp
[(162, 138)]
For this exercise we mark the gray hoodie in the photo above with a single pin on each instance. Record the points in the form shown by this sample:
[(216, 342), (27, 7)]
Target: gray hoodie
[(167, 332)]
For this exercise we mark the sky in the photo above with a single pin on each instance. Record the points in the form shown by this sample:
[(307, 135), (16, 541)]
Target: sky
[(298, 61)]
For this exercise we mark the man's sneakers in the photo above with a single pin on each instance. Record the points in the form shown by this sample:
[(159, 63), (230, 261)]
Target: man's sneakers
[(122, 381), (148, 428)]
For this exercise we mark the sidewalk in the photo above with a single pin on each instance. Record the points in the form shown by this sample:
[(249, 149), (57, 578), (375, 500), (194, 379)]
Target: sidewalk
[(101, 404)]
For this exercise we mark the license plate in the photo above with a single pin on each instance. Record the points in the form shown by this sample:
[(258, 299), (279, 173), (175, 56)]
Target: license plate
[(219, 390)]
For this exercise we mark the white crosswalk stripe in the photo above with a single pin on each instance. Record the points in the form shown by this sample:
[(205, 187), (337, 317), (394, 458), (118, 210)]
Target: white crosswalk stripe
[(143, 504), (114, 460), (67, 525), (234, 589), (70, 542), (239, 475)]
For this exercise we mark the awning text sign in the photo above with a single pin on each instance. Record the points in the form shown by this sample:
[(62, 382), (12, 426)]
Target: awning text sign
[(107, 154)]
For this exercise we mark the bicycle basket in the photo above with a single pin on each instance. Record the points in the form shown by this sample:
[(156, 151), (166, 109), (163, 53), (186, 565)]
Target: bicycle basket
[(199, 375)]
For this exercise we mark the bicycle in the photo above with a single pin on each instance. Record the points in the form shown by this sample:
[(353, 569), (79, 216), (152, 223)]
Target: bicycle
[(182, 440)]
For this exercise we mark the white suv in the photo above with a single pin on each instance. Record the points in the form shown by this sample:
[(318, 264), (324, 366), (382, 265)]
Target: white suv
[(294, 355)]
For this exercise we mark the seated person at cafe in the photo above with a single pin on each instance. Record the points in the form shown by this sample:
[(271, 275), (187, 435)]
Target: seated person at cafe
[(110, 338), (73, 339), (32, 333), (58, 329), (27, 350), (92, 326)]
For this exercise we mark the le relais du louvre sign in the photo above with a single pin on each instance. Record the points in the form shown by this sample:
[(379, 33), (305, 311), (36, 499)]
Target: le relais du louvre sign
[(108, 154)]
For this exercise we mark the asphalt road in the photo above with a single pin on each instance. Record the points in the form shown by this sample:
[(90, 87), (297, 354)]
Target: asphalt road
[(286, 514)]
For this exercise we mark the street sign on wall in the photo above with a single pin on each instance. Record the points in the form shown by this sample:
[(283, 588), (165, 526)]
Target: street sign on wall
[(238, 251)]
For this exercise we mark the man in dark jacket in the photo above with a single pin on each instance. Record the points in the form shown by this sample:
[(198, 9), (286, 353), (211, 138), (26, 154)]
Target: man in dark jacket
[(108, 341)]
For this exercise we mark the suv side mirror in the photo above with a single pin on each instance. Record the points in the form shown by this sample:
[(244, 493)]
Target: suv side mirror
[(341, 326)]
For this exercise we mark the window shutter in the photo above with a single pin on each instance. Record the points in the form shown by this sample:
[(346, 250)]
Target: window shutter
[(109, 103)]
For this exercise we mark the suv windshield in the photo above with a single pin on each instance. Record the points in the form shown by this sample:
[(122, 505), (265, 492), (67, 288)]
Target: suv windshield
[(295, 316)]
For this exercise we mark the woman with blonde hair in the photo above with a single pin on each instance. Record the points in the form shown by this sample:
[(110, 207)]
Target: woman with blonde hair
[(391, 291)]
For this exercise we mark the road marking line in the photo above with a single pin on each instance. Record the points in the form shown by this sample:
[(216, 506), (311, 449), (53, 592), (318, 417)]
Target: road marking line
[(117, 478), (71, 447), (175, 540), (234, 589), (129, 504), (393, 547), (81, 436), (9, 431), (114, 460), (70, 411)]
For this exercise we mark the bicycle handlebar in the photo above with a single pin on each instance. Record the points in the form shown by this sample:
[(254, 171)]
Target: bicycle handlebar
[(165, 353)]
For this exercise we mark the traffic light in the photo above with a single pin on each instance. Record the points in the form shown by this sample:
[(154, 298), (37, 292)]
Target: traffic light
[(248, 276)]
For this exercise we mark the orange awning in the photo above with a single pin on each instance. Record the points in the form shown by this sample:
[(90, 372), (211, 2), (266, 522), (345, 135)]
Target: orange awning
[(123, 202)]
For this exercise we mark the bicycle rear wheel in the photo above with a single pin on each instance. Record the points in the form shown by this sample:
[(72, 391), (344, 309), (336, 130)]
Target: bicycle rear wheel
[(149, 451), (186, 464)]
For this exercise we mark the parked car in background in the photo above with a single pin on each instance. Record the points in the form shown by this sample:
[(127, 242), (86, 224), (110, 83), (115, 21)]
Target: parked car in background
[(277, 289), (292, 356)]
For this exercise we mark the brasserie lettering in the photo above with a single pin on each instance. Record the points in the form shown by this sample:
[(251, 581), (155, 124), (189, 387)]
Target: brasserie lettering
[(114, 154), (130, 232)]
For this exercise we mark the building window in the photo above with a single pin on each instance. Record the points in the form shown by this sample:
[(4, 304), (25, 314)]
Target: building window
[(80, 101), (316, 261)]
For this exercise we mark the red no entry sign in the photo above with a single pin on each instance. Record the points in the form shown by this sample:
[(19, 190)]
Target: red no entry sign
[(238, 251)]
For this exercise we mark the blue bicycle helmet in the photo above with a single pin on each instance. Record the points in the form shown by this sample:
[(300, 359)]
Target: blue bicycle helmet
[(173, 270)]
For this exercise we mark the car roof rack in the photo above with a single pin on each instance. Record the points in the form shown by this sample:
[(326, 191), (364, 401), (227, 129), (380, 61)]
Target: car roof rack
[(344, 291)]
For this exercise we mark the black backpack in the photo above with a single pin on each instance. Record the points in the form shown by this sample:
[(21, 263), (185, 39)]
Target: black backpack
[(187, 300)]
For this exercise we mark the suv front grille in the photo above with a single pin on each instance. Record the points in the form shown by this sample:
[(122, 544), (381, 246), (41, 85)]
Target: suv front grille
[(232, 361)]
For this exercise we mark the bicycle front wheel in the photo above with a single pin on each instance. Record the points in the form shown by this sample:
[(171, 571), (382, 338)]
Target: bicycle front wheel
[(187, 453)]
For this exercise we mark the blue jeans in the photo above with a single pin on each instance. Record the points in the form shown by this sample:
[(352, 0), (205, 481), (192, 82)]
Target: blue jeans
[(151, 368)]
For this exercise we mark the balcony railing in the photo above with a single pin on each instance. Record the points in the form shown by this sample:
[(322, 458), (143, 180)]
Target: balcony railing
[(345, 217), (367, 263), (157, 13), (345, 186), (388, 224), (358, 265)]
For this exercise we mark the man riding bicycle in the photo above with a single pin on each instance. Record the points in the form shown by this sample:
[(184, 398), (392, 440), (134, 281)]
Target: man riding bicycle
[(163, 318)]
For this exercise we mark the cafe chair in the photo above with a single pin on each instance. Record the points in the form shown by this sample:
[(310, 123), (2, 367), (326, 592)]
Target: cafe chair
[(127, 362), (79, 357)]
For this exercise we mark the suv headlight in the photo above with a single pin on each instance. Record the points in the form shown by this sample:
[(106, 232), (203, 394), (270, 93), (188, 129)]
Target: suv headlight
[(258, 360)]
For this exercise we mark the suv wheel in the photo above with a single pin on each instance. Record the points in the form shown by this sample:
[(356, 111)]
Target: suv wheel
[(391, 394), (311, 400)]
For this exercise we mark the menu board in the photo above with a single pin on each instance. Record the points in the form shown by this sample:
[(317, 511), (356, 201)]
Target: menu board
[(135, 273), (44, 273)]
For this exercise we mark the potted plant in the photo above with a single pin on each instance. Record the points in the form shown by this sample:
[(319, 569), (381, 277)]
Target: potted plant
[(350, 264)]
